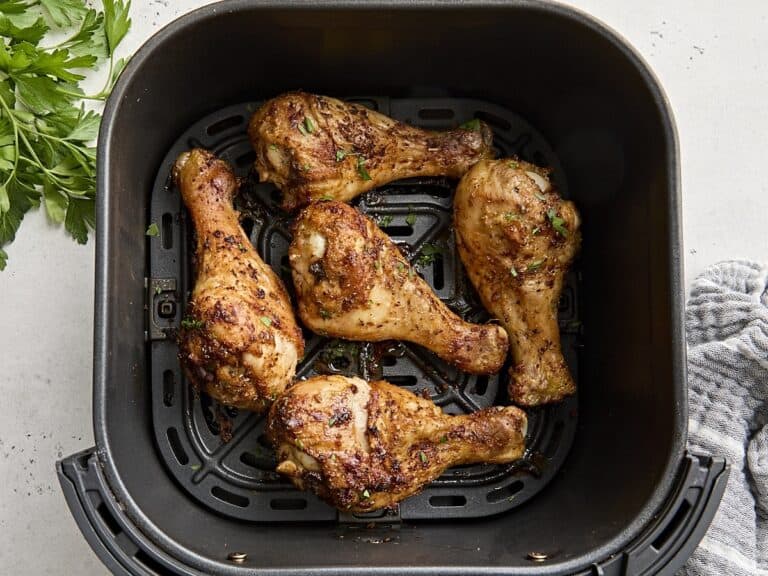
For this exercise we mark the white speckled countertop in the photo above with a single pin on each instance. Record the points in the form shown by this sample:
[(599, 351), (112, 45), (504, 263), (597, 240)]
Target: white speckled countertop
[(711, 58)]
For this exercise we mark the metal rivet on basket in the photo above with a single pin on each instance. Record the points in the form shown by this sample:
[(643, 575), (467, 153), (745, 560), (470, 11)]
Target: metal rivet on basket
[(537, 556), (237, 557)]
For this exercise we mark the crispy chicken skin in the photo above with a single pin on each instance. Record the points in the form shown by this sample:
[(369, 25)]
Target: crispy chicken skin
[(353, 282), (239, 341), (517, 238), (362, 446), (315, 146)]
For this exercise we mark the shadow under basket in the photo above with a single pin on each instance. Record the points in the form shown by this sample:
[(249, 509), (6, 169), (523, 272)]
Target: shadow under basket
[(605, 489)]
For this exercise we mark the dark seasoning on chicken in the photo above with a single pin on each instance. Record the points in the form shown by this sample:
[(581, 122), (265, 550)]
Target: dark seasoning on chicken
[(365, 445)]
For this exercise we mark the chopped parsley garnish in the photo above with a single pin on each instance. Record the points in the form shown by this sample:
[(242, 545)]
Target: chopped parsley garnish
[(190, 323), (324, 314), (535, 265), (153, 230), (273, 146), (306, 167), (195, 467), (361, 168), (340, 155), (428, 254), (473, 124), (541, 197), (266, 321), (400, 266), (306, 127), (513, 271), (509, 216), (332, 421), (444, 439), (326, 197), (410, 219), (422, 457), (339, 349), (557, 223), (366, 494), (299, 444), (385, 221), (536, 231), (514, 165), (241, 247)]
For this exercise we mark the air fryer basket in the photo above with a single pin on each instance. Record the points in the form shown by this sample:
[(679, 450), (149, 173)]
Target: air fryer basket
[(627, 499)]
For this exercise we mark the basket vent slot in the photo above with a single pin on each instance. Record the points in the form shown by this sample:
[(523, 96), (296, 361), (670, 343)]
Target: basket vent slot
[(167, 231), (481, 385), (152, 565), (169, 381), (505, 493), (399, 230), (230, 497), (257, 461), (493, 120), (452, 501), (178, 450), (224, 125), (438, 272), (403, 380), (108, 519), (672, 527)]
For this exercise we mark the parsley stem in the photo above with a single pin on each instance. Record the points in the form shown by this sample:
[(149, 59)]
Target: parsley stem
[(12, 119)]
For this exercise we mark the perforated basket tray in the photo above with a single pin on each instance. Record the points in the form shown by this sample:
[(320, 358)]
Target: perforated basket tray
[(220, 456)]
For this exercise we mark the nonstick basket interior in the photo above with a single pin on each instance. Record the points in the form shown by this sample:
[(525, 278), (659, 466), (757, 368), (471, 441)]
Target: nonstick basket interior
[(220, 456)]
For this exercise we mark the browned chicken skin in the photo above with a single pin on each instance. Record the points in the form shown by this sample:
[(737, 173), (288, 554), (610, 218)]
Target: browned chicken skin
[(313, 147), (353, 282), (240, 341), (517, 237), (362, 446)]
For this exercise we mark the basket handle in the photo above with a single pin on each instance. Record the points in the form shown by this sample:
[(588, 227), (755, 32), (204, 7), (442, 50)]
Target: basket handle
[(660, 550), (670, 539)]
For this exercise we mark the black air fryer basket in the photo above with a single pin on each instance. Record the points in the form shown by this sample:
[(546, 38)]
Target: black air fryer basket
[(178, 484)]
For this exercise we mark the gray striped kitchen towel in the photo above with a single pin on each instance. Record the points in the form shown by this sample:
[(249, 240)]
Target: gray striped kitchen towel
[(727, 330)]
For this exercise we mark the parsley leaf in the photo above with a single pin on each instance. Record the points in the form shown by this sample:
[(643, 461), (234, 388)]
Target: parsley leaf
[(266, 320), (473, 124), (116, 22), (65, 12), (428, 254), (190, 323), (46, 135), (340, 155), (384, 221), (557, 223), (153, 230), (535, 265), (410, 219), (361, 168)]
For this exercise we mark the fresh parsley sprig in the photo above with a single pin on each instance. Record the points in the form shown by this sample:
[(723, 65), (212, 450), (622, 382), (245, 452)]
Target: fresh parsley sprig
[(46, 134)]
